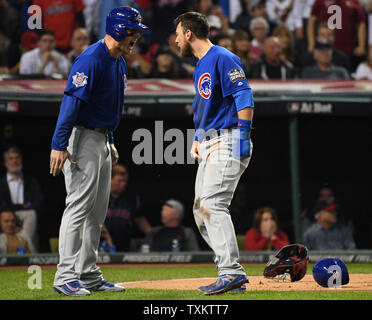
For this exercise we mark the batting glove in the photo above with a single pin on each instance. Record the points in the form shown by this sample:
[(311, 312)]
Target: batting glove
[(242, 139)]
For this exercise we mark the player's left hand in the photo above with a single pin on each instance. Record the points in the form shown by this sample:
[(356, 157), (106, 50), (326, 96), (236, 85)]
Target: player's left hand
[(242, 140), (114, 154)]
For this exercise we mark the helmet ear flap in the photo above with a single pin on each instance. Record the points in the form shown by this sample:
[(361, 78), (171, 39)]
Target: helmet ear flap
[(120, 34)]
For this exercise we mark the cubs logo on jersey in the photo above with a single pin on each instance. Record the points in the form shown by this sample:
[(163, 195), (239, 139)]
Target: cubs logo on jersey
[(205, 85)]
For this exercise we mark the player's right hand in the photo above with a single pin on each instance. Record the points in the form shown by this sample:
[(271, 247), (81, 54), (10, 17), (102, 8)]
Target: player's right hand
[(195, 150), (57, 160)]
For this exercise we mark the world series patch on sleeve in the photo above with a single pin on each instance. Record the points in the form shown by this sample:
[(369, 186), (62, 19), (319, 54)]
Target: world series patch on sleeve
[(236, 74)]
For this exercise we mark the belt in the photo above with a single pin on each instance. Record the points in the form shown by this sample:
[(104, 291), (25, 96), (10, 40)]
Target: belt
[(100, 130), (215, 134), (218, 133)]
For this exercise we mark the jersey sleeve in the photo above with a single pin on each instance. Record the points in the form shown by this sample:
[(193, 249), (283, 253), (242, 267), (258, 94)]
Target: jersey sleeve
[(243, 99), (68, 113), (232, 76), (82, 78)]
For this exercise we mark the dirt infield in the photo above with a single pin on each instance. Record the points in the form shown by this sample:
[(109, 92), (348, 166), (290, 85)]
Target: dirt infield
[(358, 282)]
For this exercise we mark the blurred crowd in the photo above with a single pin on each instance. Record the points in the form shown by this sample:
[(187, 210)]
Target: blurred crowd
[(275, 39)]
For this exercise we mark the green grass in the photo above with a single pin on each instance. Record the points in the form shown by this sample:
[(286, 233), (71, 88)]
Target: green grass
[(15, 285)]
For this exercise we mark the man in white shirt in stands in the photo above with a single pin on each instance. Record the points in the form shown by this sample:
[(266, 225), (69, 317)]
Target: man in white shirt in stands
[(23, 195), (44, 59)]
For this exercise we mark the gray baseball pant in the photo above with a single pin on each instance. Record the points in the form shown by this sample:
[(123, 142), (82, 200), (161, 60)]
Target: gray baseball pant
[(88, 189), (216, 180)]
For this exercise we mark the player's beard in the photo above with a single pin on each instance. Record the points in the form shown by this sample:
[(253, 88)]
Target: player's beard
[(186, 50), (125, 49)]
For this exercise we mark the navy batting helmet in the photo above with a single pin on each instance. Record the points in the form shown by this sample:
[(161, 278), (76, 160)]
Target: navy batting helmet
[(121, 18), (330, 273)]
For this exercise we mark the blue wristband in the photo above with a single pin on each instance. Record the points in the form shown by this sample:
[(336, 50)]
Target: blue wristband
[(244, 127), (245, 123), (242, 136)]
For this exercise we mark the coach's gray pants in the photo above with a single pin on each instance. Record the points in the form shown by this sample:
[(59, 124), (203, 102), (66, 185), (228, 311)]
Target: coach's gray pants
[(216, 180), (88, 190)]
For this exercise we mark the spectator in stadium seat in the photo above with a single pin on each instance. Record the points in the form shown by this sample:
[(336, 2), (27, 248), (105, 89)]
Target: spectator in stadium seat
[(203, 6), (92, 19), (29, 41), (270, 65), (124, 210), (215, 26), (163, 14), (259, 29), (138, 67), (240, 43), (167, 66), (286, 40), (251, 9), (106, 244), (10, 29), (323, 67), (44, 59), (22, 193), (327, 233), (288, 13), (339, 58), (224, 40), (364, 69), (172, 235), (326, 193), (62, 17), (79, 42), (265, 235), (10, 241), (218, 12), (351, 38)]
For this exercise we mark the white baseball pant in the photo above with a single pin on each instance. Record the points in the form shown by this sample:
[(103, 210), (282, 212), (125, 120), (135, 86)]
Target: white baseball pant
[(88, 189), (216, 180)]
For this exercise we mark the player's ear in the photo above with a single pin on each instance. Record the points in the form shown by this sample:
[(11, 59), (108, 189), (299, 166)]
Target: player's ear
[(188, 34)]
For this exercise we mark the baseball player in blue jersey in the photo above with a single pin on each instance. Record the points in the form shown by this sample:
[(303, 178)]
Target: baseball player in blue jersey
[(90, 112), (223, 113)]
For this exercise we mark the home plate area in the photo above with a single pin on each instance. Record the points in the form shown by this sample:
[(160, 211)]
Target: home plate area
[(358, 282)]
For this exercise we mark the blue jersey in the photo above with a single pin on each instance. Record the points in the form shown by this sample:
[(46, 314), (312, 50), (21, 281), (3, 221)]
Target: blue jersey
[(98, 80), (217, 77)]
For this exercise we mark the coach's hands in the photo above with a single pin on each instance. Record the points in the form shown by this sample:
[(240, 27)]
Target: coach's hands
[(195, 150), (57, 160), (114, 154)]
